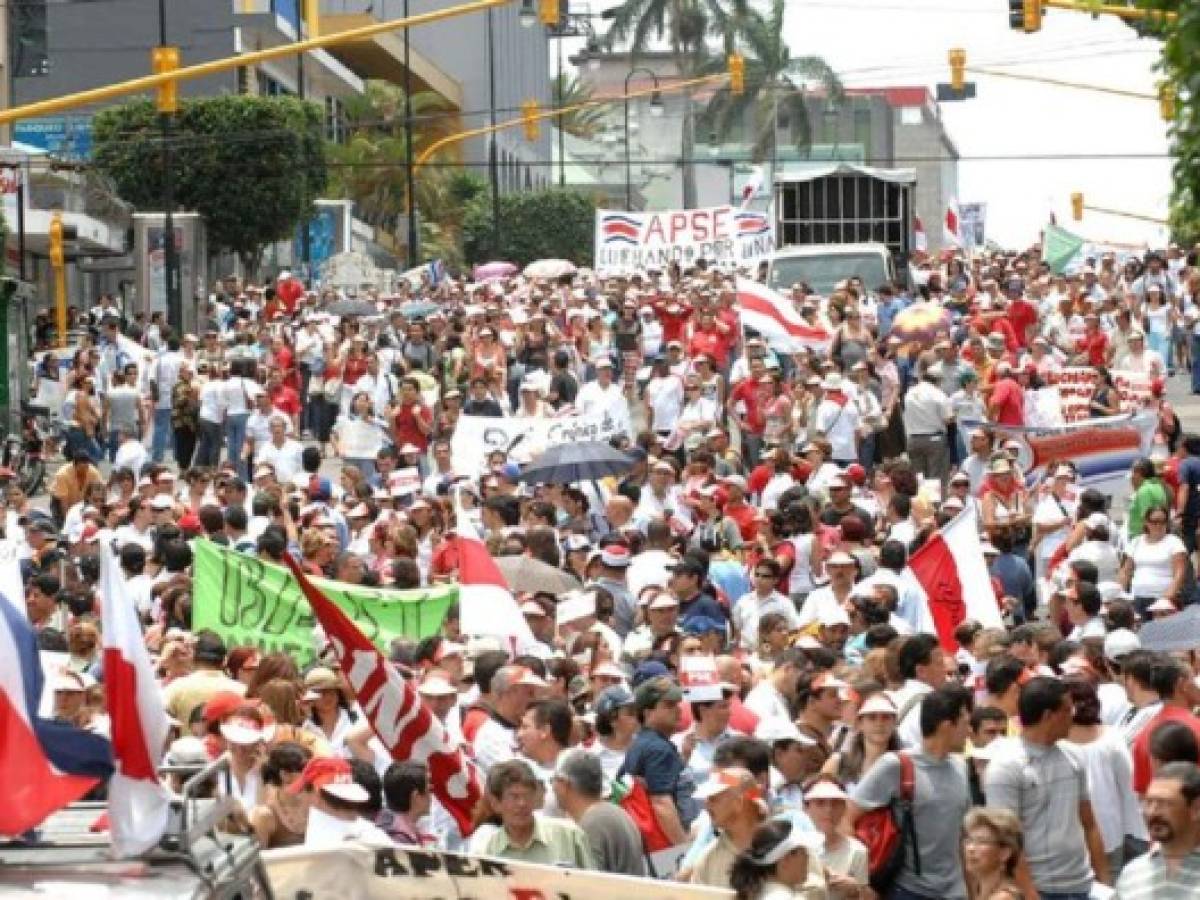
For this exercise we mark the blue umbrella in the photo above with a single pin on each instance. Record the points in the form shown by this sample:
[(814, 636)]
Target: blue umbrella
[(569, 463)]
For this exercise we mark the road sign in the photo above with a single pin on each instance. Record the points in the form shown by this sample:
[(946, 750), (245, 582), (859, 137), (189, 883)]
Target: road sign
[(66, 137), (946, 92)]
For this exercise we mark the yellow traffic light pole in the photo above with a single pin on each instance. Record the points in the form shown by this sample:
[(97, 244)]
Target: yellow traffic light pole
[(216, 66), (58, 263), (1132, 13), (527, 120)]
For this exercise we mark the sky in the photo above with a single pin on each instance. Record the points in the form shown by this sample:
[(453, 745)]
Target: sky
[(905, 42)]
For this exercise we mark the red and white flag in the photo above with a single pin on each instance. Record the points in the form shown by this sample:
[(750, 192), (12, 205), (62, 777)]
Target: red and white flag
[(920, 240), (394, 708), (953, 575), (137, 800), (486, 605), (777, 321), (952, 225), (753, 186)]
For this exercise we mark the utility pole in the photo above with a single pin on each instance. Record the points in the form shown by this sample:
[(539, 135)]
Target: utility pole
[(410, 175), (166, 58)]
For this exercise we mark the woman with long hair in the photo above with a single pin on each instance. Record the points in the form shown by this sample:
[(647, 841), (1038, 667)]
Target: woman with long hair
[(781, 863), (280, 817), (875, 735), (359, 435)]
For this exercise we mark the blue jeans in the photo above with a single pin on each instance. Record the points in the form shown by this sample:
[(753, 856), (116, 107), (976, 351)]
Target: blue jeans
[(77, 440), (161, 441), (235, 439), (1196, 363)]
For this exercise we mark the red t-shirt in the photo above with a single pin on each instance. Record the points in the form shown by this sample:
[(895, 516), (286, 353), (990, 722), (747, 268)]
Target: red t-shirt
[(1021, 315), (672, 323), (745, 516), (748, 392), (707, 341), (1009, 401), (1141, 744), (404, 425), (285, 399), (1096, 348)]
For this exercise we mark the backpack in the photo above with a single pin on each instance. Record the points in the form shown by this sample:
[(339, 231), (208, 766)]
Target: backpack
[(886, 832), (629, 792)]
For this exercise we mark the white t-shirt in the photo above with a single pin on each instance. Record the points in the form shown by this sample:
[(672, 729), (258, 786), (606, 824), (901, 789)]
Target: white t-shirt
[(818, 602), (665, 397), (839, 424), (287, 460), (749, 610), (212, 407), (1152, 564)]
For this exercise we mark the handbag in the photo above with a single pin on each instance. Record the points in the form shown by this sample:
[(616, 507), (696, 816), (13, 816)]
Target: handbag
[(888, 831)]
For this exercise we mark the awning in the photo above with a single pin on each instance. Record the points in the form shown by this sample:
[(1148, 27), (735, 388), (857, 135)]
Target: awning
[(797, 173)]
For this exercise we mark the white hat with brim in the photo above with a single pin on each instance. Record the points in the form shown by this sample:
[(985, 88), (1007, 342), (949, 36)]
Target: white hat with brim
[(437, 686), (242, 731), (349, 791), (825, 790), (811, 841), (878, 704)]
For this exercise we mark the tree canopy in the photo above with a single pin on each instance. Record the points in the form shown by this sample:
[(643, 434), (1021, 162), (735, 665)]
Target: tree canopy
[(251, 166)]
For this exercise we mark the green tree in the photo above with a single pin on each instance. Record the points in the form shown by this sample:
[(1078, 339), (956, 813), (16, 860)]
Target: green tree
[(570, 90), (1181, 66), (776, 85), (687, 26), (250, 166), (546, 224)]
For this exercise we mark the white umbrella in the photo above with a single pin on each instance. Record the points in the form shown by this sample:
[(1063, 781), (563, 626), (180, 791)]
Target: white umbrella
[(549, 268)]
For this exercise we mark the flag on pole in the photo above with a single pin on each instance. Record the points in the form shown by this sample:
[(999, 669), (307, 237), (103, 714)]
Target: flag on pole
[(1059, 247), (920, 241), (953, 574), (952, 224), (753, 186), (137, 801), (394, 708), (43, 765), (777, 321), (486, 605)]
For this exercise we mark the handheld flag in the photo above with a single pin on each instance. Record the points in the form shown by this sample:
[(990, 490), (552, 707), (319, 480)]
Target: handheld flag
[(952, 225), (394, 708), (487, 606), (777, 321), (43, 765), (137, 801)]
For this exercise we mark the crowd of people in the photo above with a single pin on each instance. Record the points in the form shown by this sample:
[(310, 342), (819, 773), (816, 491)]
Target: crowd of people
[(741, 691)]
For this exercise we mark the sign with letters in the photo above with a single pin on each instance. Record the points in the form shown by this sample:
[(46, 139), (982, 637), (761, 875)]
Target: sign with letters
[(724, 236), (251, 602), (375, 873), (477, 436)]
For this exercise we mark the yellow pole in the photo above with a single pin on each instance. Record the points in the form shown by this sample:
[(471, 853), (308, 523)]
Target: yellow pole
[(216, 66), (1126, 215), (995, 73), (58, 264), (1124, 12), (460, 136)]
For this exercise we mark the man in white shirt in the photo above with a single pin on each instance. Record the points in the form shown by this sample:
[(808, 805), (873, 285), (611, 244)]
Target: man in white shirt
[(131, 452), (211, 419), (764, 598), (923, 665), (496, 740), (927, 410), (664, 398), (772, 697), (837, 420), (164, 372), (604, 397), (284, 454)]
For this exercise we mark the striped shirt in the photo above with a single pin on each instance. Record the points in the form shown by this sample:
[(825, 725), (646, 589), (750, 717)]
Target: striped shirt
[(1147, 878)]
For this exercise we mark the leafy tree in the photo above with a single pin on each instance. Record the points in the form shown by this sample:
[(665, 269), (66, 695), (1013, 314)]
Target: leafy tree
[(582, 123), (687, 27), (546, 224), (250, 166), (775, 87)]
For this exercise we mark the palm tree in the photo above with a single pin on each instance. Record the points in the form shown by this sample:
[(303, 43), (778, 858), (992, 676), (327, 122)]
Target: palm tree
[(776, 86), (582, 123), (686, 26)]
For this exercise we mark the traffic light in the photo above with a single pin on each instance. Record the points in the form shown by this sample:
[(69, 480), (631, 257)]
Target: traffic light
[(1077, 206), (58, 257), (1166, 102), (737, 73), (166, 59), (958, 67), (548, 13), (529, 120), (1033, 16), (312, 17)]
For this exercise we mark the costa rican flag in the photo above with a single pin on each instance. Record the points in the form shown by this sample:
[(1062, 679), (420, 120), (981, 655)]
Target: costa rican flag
[(777, 321), (750, 224), (753, 186), (44, 765), (952, 224), (618, 228)]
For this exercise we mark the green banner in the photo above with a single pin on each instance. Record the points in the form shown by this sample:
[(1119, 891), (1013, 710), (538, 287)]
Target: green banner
[(251, 602), (1059, 247)]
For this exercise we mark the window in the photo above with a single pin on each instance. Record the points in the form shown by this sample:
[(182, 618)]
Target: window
[(335, 121), (271, 87), (29, 47)]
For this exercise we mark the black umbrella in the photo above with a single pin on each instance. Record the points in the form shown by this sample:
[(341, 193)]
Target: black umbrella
[(569, 463), (352, 307)]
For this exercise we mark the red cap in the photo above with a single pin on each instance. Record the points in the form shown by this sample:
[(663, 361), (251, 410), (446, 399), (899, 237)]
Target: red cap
[(190, 522), (222, 704), (856, 473), (332, 774)]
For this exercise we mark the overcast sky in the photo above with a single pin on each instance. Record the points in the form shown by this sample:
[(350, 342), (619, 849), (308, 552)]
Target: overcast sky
[(904, 42)]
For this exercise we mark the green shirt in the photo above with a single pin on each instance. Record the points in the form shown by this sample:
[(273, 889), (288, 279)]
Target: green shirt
[(555, 842), (1150, 493)]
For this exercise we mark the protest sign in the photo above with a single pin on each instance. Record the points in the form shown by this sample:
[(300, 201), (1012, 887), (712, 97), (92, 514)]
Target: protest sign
[(350, 869), (1133, 388), (248, 601), (1102, 450), (725, 236), (1075, 384), (476, 436)]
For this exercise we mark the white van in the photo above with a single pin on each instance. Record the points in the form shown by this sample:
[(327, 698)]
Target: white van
[(821, 266)]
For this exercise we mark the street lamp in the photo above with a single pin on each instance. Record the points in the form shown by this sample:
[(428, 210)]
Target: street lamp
[(656, 109)]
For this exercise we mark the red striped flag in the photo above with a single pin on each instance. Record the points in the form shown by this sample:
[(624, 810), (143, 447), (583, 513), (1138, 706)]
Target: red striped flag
[(487, 605), (777, 321), (394, 708)]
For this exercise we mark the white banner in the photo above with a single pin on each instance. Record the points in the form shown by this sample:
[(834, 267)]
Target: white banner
[(477, 436), (727, 237), (972, 224), (354, 871)]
